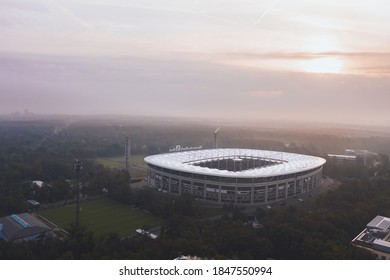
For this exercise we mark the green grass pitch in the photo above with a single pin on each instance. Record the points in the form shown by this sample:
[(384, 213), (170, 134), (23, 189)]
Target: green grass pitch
[(102, 216), (137, 170)]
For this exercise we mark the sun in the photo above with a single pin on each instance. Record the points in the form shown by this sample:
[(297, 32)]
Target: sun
[(322, 65)]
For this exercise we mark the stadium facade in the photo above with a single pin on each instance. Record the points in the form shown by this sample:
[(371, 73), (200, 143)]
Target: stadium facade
[(238, 176)]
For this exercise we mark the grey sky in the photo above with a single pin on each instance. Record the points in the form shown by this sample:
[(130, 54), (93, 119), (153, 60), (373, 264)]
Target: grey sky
[(220, 59)]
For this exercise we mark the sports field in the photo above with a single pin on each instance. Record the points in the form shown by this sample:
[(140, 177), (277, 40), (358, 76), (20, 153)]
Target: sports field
[(102, 216), (137, 169)]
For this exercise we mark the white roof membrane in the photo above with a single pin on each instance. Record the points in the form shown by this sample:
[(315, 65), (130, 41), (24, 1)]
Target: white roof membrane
[(291, 163)]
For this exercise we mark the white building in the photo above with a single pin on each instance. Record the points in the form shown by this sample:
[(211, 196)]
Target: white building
[(375, 238), (341, 158)]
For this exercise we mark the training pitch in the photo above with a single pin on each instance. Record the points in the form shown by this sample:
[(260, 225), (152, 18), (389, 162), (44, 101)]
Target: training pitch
[(102, 216)]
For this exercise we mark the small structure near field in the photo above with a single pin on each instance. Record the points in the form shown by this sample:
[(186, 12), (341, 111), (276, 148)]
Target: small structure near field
[(146, 233)]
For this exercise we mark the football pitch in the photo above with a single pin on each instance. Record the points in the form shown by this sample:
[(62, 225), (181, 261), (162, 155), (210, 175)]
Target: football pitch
[(102, 216), (137, 168)]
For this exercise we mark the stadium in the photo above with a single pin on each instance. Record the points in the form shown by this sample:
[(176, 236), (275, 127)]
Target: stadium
[(237, 176)]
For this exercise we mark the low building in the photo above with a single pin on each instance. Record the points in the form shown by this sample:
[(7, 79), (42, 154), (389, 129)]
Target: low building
[(362, 153), (33, 204), (367, 156), (375, 238), (38, 183), (146, 233), (341, 158), (188, 258), (23, 227)]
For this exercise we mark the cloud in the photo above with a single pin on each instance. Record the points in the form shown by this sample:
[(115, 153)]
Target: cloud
[(266, 12), (265, 93), (65, 12), (24, 5), (182, 88), (303, 55), (363, 63)]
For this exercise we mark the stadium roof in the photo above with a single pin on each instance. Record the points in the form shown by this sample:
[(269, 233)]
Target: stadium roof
[(290, 163)]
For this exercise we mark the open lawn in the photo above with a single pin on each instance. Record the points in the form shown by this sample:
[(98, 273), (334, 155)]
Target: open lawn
[(102, 216), (137, 169)]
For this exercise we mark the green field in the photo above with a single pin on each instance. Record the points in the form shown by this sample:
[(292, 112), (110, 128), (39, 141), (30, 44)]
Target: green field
[(102, 216), (138, 164)]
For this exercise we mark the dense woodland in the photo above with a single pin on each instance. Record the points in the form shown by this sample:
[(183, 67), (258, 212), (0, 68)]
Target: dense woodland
[(320, 228)]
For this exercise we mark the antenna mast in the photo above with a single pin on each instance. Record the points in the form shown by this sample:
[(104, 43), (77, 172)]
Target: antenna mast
[(215, 138), (78, 166)]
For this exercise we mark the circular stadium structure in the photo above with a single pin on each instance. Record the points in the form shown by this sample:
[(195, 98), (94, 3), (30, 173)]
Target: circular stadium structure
[(237, 176)]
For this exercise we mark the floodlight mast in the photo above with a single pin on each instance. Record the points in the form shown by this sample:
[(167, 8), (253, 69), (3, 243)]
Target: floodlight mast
[(127, 165), (215, 137), (78, 166)]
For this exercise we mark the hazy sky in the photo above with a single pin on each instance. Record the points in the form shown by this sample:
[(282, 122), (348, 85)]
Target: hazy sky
[(247, 59)]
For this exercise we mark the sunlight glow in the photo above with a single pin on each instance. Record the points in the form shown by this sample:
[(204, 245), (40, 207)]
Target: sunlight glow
[(322, 65)]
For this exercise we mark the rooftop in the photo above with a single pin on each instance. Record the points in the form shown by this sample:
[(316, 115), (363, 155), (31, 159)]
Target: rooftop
[(341, 156), (380, 223), (194, 162), (376, 236), (21, 226)]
